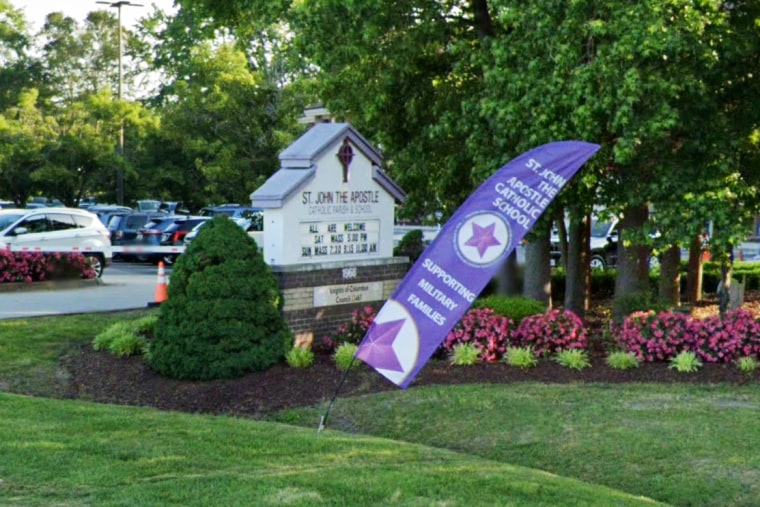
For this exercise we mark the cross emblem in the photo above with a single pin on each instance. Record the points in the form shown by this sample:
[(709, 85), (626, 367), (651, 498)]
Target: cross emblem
[(345, 155)]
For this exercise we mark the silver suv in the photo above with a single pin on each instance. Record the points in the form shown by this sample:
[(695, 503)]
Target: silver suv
[(57, 230)]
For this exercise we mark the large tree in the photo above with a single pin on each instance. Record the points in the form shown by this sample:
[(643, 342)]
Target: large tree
[(451, 90)]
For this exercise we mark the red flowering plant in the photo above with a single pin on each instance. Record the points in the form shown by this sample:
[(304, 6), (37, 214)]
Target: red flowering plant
[(551, 332), (68, 265), (36, 266), (21, 266), (353, 331), (717, 340), (489, 332), (655, 336)]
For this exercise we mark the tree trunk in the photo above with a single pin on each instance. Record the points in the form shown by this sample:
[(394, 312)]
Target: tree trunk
[(694, 273), (632, 263), (538, 275), (562, 235), (724, 287), (669, 289), (577, 268), (508, 277)]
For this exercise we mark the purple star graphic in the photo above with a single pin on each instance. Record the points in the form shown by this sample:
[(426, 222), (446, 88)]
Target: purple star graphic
[(377, 348), (482, 238)]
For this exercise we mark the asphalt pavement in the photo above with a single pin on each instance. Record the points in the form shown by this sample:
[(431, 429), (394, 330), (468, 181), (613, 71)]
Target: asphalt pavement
[(122, 287)]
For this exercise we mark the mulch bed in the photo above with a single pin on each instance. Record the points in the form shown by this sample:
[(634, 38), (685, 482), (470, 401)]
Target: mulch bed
[(102, 377)]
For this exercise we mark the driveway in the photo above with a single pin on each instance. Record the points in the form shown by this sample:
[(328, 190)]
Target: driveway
[(124, 286)]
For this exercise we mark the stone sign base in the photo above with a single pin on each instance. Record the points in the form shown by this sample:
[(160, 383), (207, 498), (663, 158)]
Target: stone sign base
[(318, 298)]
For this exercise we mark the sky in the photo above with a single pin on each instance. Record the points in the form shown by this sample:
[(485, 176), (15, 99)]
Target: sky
[(35, 11)]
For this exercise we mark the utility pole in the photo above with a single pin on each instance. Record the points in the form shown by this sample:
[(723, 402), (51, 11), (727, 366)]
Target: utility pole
[(119, 170)]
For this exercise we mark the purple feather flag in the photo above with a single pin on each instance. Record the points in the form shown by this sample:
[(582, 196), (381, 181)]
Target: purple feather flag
[(468, 251)]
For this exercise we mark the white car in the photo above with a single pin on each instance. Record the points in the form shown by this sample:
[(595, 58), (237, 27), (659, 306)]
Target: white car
[(57, 230)]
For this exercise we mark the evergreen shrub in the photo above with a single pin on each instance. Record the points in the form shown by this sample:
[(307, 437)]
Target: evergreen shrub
[(223, 314), (514, 307), (412, 245)]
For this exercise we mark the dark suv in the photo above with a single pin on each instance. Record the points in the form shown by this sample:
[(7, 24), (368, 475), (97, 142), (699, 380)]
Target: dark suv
[(124, 228), (106, 211), (166, 231)]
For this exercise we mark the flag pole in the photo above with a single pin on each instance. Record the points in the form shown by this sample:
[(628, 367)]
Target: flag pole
[(323, 419)]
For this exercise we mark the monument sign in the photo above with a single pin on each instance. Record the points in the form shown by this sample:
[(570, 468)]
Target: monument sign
[(328, 228)]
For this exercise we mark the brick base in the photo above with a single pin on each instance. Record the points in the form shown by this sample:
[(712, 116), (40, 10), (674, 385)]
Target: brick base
[(311, 323)]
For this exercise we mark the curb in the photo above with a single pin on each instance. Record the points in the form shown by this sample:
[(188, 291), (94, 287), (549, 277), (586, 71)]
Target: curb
[(49, 285)]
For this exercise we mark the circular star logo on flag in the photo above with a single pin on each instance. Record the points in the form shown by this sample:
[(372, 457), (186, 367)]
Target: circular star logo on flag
[(392, 343), (482, 238)]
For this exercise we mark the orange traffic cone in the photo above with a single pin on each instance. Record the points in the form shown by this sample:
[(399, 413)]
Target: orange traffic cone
[(160, 294)]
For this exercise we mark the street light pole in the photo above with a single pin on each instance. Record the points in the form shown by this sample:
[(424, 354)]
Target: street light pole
[(119, 170)]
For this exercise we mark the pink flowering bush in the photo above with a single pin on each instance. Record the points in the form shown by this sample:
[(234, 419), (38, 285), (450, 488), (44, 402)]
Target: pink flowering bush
[(724, 341), (353, 331), (655, 336), (484, 329), (37, 266), (662, 336), (551, 332)]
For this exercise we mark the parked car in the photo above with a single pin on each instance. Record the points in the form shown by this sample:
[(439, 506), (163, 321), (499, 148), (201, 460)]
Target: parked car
[(87, 202), (602, 242), (232, 211), (147, 205), (166, 231), (124, 228), (43, 202), (106, 211), (173, 208), (249, 225), (57, 228)]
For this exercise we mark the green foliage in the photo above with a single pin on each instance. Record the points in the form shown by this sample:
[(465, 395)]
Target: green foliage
[(411, 245), (521, 357), (747, 364), (621, 360), (103, 340), (464, 354), (299, 357), (353, 331), (124, 338), (146, 325), (602, 282), (685, 361), (344, 356), (223, 315), (626, 304), (128, 345), (514, 307), (576, 359)]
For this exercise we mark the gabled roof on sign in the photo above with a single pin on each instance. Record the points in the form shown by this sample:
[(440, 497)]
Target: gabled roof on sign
[(280, 185), (307, 148), (298, 164)]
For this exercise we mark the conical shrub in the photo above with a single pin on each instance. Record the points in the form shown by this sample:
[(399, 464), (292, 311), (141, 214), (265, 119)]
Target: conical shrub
[(223, 317)]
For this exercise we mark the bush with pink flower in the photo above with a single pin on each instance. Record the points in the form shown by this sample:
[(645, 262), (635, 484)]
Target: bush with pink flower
[(30, 267), (655, 336), (484, 329), (353, 331), (717, 340), (551, 332), (662, 336)]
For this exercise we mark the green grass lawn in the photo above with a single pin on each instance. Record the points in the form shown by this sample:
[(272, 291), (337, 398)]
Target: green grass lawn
[(76, 453), (682, 444), (518, 444)]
